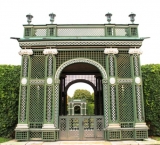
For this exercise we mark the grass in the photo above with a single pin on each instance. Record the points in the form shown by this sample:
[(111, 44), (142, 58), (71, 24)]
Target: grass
[(156, 138), (2, 139)]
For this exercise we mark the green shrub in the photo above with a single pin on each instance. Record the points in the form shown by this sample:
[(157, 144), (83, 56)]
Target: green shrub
[(151, 88), (9, 95)]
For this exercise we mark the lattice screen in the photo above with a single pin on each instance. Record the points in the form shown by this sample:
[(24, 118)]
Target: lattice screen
[(123, 66), (36, 104), (128, 134), (63, 56), (126, 113), (80, 32), (37, 67), (70, 78), (121, 31), (40, 32)]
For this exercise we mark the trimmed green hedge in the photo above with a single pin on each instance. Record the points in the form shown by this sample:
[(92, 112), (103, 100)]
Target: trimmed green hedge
[(151, 89), (9, 95)]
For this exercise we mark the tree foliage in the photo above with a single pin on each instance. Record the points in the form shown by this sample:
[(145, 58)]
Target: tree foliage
[(9, 92), (151, 89), (85, 94)]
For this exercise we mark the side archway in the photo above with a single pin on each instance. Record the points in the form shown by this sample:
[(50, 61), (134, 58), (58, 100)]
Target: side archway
[(57, 81)]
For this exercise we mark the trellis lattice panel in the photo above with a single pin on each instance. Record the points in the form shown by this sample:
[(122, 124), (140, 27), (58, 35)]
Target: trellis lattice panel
[(126, 110), (127, 134), (70, 78), (21, 135), (35, 135), (40, 32), (121, 31), (63, 56), (123, 65), (37, 67), (80, 32), (36, 103)]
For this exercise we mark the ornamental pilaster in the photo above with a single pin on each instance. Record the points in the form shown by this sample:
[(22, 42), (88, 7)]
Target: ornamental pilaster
[(23, 115), (48, 111), (137, 81), (111, 63)]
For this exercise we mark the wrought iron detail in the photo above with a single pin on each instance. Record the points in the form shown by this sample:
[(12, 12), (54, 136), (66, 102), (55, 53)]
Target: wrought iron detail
[(139, 107), (111, 65), (23, 103), (113, 103), (104, 43), (49, 104), (136, 67)]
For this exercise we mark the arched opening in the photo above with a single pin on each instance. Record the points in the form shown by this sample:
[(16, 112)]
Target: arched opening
[(87, 74), (77, 110), (83, 92), (91, 126)]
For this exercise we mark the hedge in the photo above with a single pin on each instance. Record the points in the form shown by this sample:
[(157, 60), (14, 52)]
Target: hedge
[(9, 94), (151, 89)]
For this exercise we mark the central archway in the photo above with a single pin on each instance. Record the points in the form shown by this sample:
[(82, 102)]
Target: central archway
[(57, 81)]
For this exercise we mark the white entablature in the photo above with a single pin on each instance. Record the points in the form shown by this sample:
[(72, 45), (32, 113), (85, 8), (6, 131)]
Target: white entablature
[(111, 51), (50, 51), (25, 51), (135, 51)]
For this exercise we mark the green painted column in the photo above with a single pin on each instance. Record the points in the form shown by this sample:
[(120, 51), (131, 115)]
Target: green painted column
[(49, 89), (111, 59), (137, 78), (23, 94)]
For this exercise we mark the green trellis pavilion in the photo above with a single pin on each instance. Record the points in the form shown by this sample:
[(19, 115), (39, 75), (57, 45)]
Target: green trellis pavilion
[(105, 56)]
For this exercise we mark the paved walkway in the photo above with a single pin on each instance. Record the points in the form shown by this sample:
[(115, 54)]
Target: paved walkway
[(146, 142)]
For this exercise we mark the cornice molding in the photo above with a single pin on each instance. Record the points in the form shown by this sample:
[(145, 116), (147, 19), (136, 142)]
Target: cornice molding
[(72, 43)]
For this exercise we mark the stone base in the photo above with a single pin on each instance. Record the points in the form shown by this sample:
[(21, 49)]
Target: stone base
[(114, 126), (141, 126), (22, 126), (48, 127)]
